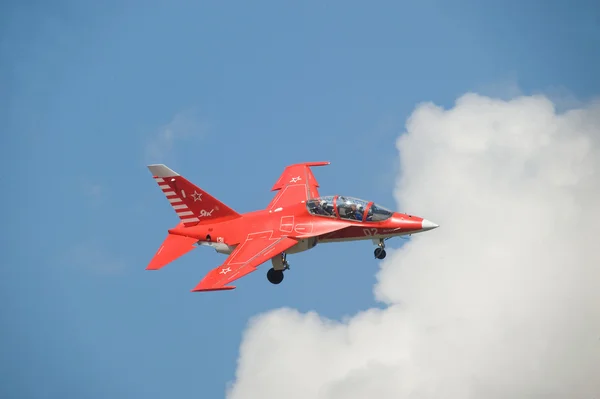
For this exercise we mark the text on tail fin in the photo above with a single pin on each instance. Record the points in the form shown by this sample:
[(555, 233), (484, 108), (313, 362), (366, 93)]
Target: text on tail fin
[(192, 204)]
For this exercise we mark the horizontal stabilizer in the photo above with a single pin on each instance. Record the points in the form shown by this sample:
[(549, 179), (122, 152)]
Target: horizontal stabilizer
[(172, 248)]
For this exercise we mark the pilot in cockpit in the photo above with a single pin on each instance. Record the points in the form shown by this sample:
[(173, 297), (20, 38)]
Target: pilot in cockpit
[(355, 212), (326, 208)]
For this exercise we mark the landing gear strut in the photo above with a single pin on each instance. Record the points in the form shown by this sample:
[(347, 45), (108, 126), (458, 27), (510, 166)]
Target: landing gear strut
[(380, 250), (275, 274), (286, 265)]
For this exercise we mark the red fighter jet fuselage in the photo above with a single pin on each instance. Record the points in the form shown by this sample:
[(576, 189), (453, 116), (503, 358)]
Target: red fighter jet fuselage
[(296, 220)]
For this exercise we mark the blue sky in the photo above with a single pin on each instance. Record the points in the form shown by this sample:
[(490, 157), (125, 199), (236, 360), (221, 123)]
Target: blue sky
[(89, 92)]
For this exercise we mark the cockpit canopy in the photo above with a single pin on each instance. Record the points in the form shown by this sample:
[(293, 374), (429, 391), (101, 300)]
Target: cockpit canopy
[(349, 208)]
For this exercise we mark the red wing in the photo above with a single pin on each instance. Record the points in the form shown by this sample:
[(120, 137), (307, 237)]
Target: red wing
[(245, 258), (296, 183)]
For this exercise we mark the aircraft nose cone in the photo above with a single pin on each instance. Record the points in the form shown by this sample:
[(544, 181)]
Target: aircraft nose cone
[(428, 225)]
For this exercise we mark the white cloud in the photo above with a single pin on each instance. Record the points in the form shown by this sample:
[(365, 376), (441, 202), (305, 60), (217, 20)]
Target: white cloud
[(505, 88), (501, 301), (184, 125)]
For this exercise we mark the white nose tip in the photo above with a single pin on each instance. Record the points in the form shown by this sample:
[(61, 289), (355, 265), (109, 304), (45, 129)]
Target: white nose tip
[(428, 225)]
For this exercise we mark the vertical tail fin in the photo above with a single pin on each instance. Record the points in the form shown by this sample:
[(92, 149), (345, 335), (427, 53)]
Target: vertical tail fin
[(192, 204)]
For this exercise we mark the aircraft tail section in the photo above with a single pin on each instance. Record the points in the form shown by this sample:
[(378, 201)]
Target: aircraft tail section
[(172, 248), (192, 204)]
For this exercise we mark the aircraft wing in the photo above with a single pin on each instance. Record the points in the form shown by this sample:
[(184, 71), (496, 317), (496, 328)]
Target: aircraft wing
[(245, 258), (296, 183)]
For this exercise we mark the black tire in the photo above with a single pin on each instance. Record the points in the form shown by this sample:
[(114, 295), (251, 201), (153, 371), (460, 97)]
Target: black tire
[(275, 276), (380, 253)]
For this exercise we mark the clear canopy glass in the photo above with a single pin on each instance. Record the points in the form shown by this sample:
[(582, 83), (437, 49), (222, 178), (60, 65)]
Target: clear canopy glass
[(377, 213), (348, 208), (322, 206)]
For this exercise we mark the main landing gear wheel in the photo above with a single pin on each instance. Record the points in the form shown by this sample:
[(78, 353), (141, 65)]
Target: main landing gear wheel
[(275, 276), (380, 250)]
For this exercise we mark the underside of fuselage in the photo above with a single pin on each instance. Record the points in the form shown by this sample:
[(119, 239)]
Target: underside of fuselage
[(348, 234), (354, 233), (308, 229)]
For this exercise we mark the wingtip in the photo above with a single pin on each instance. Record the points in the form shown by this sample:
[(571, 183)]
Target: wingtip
[(321, 163), (224, 288)]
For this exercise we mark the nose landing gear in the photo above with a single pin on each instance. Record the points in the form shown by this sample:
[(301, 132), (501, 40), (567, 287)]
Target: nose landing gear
[(380, 250), (275, 274)]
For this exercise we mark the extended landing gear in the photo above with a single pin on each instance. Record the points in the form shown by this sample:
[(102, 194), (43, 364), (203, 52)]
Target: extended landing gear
[(275, 274), (380, 250)]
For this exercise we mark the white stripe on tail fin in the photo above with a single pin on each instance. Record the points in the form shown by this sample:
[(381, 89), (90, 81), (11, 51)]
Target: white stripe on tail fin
[(192, 204)]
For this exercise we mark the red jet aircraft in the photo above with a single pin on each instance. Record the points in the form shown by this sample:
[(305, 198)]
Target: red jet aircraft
[(295, 220)]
